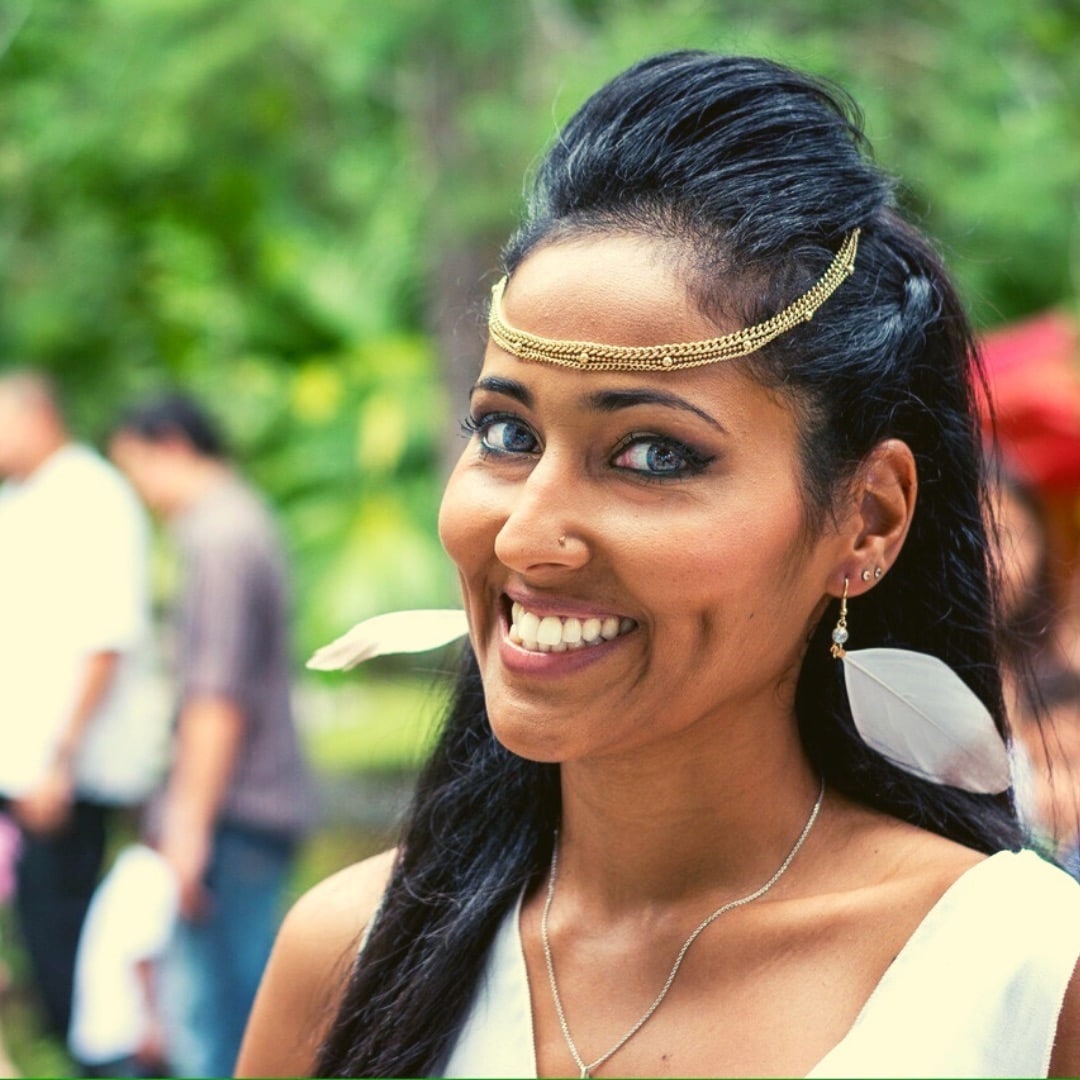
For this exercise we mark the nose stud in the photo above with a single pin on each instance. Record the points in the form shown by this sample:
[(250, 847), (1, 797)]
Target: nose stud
[(562, 540)]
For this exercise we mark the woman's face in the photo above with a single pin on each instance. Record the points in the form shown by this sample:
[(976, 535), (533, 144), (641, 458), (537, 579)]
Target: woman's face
[(632, 547)]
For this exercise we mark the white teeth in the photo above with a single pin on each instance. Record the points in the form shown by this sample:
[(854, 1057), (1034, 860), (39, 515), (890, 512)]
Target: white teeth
[(527, 627), (554, 634)]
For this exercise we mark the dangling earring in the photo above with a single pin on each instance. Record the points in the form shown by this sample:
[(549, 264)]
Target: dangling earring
[(840, 631), (916, 711)]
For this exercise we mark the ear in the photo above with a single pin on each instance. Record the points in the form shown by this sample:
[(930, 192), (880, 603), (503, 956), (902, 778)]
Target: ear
[(882, 505)]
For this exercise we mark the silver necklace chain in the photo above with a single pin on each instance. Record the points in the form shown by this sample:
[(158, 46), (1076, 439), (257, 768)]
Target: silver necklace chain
[(579, 1061)]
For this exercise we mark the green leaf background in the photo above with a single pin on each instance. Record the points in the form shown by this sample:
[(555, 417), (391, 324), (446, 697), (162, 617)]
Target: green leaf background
[(294, 209)]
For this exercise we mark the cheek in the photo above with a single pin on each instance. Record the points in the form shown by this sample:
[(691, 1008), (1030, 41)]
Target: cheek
[(732, 571), (136, 473), (145, 480), (467, 521), (727, 544), (451, 520)]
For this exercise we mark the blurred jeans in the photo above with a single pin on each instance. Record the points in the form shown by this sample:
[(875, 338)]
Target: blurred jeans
[(212, 968), (55, 877)]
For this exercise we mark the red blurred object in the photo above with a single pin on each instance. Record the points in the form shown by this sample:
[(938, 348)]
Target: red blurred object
[(1034, 372)]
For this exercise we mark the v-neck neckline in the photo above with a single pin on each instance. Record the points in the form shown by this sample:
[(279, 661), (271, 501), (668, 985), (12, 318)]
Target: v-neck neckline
[(922, 933)]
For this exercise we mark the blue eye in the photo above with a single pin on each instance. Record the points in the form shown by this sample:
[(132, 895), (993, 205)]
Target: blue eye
[(508, 436), (501, 434), (653, 456)]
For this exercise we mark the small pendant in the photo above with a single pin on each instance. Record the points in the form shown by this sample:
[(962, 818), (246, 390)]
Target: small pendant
[(584, 1072)]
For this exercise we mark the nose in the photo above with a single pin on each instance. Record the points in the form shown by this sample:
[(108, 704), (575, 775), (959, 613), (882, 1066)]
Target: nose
[(545, 527)]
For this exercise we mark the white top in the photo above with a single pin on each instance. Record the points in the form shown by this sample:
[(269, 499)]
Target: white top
[(976, 990), (73, 582), (130, 919)]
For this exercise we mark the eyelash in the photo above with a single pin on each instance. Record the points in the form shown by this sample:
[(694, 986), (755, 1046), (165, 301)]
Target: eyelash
[(473, 426), (695, 462)]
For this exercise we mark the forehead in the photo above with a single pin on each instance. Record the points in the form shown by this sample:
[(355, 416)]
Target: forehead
[(609, 289), (621, 290)]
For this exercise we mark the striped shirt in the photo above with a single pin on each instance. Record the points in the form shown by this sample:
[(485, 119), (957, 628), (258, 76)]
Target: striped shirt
[(232, 642)]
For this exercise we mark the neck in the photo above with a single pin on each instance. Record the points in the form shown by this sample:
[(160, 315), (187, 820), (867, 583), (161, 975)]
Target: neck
[(667, 826)]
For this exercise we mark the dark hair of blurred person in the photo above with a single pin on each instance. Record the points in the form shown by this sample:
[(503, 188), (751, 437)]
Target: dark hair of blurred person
[(171, 416)]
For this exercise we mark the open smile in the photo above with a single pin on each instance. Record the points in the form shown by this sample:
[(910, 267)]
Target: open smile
[(536, 632)]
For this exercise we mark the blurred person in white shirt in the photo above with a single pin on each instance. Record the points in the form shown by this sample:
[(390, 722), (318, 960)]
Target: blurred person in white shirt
[(76, 733)]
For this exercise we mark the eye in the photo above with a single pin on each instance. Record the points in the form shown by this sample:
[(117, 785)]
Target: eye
[(653, 456), (508, 436), (502, 434)]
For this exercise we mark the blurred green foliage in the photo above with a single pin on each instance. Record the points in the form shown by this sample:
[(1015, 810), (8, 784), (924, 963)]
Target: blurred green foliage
[(374, 725), (291, 209)]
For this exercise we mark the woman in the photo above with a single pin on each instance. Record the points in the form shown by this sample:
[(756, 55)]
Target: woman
[(650, 841)]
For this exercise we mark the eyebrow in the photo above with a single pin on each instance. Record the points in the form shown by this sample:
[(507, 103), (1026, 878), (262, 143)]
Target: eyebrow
[(509, 387), (613, 400), (606, 401)]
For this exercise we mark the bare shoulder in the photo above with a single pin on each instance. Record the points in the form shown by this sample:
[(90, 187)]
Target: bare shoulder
[(340, 907), (309, 968), (882, 853), (1065, 1059)]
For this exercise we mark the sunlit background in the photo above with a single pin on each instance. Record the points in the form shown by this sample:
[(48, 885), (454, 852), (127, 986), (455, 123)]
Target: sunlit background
[(294, 211)]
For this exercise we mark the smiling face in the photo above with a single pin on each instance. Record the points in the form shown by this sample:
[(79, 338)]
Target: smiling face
[(632, 548)]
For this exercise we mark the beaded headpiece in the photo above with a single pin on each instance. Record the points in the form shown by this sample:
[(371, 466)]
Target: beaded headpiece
[(591, 356)]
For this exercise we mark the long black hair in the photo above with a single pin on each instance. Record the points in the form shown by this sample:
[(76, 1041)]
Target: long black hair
[(757, 172)]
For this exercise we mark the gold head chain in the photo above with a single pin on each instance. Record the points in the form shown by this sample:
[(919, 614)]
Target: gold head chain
[(591, 356)]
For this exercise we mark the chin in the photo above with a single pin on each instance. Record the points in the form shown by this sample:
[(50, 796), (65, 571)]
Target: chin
[(528, 737)]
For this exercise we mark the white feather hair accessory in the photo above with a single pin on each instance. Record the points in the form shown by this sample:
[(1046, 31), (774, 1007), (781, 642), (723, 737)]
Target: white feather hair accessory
[(916, 711), (395, 632)]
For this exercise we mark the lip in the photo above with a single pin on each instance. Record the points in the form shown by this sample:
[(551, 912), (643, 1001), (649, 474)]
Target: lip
[(528, 662)]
